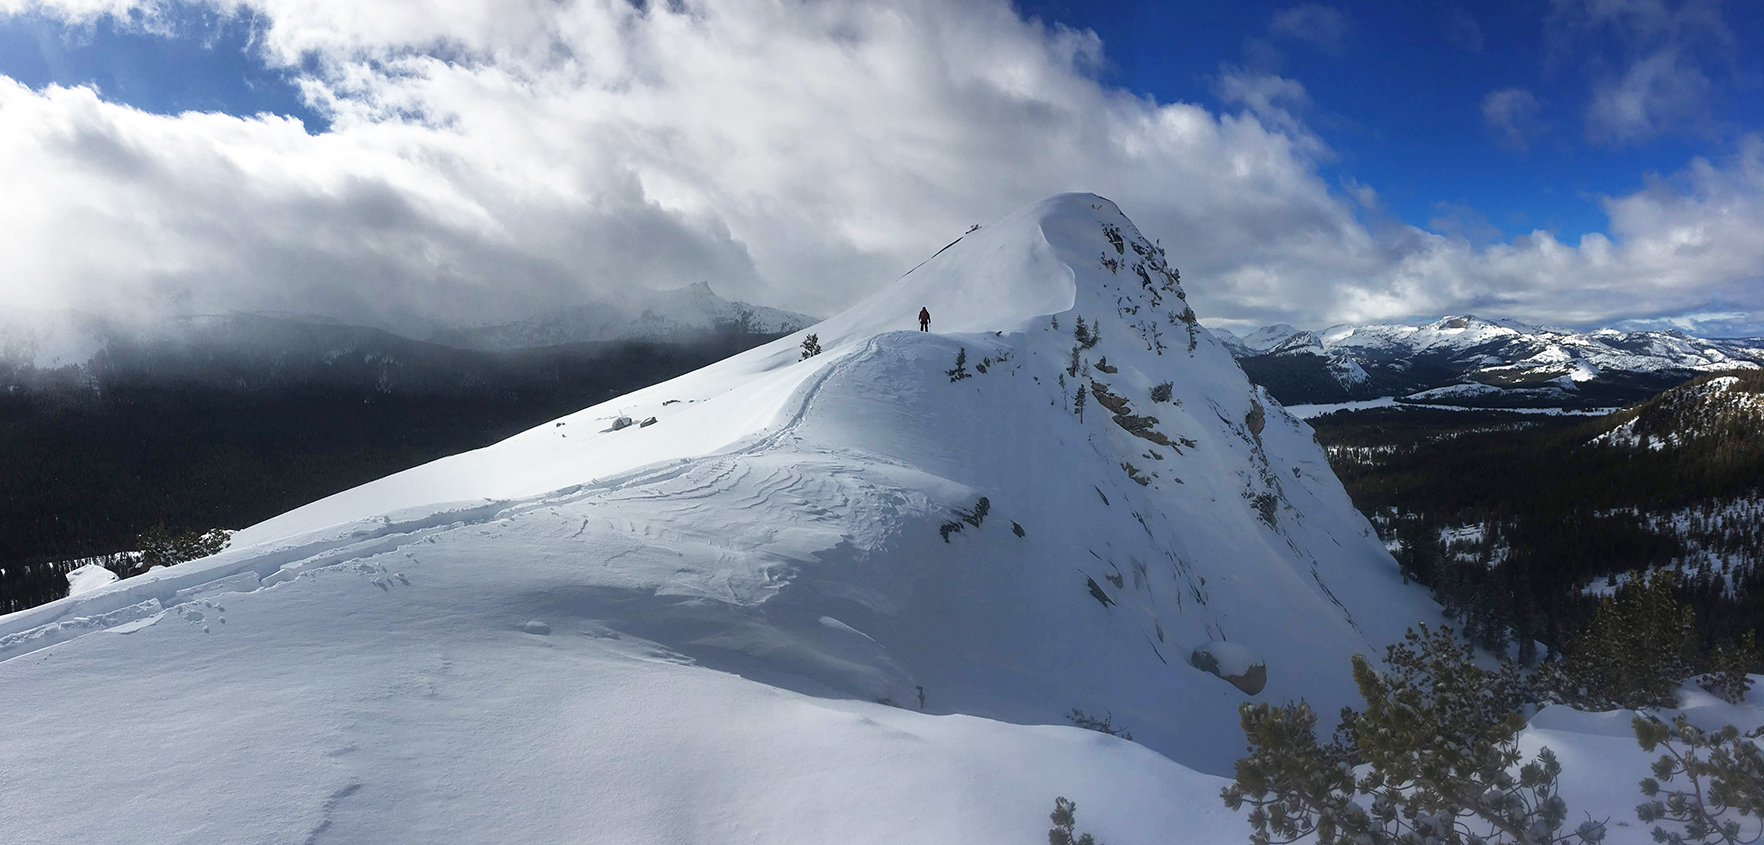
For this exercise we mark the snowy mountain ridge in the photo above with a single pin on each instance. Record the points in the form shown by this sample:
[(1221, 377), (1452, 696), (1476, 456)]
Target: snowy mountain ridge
[(49, 340), (1492, 362), (850, 597), (1725, 412)]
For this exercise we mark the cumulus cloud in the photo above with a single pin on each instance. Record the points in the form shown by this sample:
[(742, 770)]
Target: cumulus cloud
[(1654, 65), (1514, 116), (1324, 27), (1274, 100), (486, 160), (1653, 95)]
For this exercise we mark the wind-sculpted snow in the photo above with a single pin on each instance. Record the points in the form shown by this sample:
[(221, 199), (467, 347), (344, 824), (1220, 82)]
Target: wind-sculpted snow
[(860, 536)]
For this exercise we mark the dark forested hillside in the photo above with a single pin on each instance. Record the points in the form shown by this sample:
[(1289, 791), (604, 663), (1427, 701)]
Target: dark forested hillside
[(189, 438), (1518, 521)]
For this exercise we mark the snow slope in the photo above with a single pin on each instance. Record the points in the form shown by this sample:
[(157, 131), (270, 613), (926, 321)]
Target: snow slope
[(724, 625)]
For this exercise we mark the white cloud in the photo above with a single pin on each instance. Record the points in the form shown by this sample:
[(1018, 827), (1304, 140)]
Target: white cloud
[(1514, 116), (1324, 27), (488, 159), (1654, 95), (1275, 100), (1654, 65)]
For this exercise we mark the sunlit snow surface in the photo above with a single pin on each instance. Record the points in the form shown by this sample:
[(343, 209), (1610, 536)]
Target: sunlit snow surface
[(718, 627)]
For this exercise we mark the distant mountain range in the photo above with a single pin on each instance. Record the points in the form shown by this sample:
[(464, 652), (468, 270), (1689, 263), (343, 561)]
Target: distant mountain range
[(1470, 361), (687, 313), (110, 428), (254, 352)]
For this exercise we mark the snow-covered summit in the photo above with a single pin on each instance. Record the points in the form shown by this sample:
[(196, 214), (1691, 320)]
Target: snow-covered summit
[(892, 544), (1260, 341)]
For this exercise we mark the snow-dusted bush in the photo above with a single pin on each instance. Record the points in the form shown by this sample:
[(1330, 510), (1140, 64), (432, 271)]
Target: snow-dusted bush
[(1106, 724), (971, 517), (1065, 825), (1267, 507), (1727, 677), (1161, 392), (978, 514), (1638, 648), (1438, 740), (160, 547), (811, 346)]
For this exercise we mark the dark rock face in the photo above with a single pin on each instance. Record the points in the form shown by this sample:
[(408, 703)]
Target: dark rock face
[(1234, 663)]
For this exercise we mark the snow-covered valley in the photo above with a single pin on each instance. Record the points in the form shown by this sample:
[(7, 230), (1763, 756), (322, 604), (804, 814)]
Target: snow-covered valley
[(843, 598)]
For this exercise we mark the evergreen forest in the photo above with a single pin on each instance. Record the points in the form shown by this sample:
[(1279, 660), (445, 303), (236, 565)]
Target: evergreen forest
[(1520, 523)]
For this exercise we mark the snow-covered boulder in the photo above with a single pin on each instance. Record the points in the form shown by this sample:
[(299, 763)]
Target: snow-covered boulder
[(88, 578), (1233, 662)]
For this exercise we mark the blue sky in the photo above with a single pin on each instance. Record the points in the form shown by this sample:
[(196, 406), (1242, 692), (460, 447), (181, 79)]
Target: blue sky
[(1398, 93), (1472, 126), (192, 59)]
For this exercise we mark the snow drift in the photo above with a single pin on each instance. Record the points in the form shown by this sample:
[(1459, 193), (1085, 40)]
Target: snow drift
[(902, 555)]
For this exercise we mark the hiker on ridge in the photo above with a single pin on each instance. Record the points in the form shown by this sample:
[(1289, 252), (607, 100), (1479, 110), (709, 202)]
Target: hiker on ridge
[(924, 319)]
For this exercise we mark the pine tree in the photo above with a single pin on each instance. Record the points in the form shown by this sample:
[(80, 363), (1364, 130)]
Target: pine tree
[(1438, 741), (1080, 331), (1638, 647), (1729, 666), (160, 547), (811, 346), (1065, 824), (1725, 772), (1078, 404), (960, 370)]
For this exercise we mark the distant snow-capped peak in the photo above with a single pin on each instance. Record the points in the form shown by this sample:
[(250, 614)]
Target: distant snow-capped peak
[(1602, 365)]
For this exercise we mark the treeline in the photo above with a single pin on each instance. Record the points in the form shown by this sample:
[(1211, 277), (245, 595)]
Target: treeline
[(1555, 514), (92, 465)]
